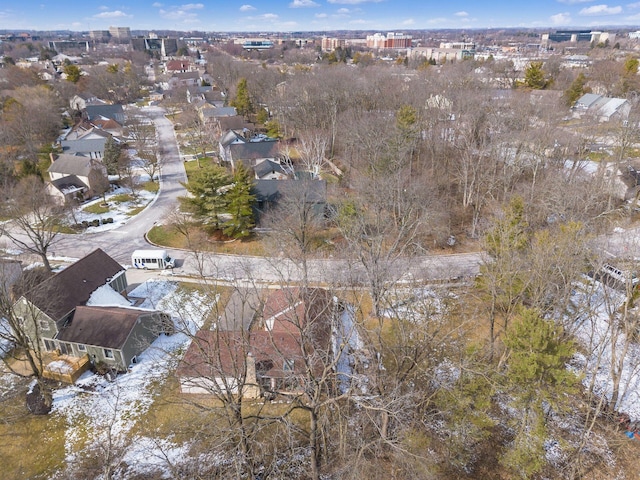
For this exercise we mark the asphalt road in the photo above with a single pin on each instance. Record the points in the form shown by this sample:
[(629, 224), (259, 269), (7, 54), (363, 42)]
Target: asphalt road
[(120, 242)]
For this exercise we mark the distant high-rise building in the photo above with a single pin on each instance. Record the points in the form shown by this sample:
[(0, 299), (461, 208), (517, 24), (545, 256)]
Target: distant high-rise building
[(331, 43), (391, 40), (120, 34), (99, 35)]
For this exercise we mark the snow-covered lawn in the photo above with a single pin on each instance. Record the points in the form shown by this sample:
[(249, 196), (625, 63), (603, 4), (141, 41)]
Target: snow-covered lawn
[(105, 412), (119, 212), (598, 331)]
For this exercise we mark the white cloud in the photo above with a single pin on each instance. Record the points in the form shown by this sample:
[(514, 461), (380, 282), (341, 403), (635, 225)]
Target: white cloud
[(321, 15), (343, 11), (269, 16), (437, 21), (633, 5), (561, 18), (461, 14), (247, 8), (601, 10), (183, 13), (359, 21), (409, 21), (156, 4), (114, 14), (303, 4), (573, 2), (103, 8)]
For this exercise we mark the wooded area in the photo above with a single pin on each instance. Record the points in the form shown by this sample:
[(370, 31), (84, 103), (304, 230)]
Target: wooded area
[(497, 376)]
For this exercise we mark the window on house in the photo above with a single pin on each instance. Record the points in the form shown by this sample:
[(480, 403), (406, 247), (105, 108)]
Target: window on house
[(108, 353), (44, 325), (82, 348), (65, 348), (49, 345), (288, 365)]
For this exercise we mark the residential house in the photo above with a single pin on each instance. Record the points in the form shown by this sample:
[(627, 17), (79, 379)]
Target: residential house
[(88, 140), (602, 108), (268, 169), (293, 339), (81, 101), (63, 316), (111, 111), (244, 147), (269, 193), (178, 66), (76, 177), (187, 79), (114, 336)]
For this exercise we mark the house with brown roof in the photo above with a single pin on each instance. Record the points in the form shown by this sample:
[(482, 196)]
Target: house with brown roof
[(82, 313), (114, 336), (292, 338), (178, 66)]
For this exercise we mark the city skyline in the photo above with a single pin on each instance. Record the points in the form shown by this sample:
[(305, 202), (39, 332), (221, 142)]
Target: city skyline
[(316, 15)]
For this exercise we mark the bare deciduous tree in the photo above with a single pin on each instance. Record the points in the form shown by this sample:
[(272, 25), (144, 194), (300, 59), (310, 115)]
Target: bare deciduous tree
[(36, 218)]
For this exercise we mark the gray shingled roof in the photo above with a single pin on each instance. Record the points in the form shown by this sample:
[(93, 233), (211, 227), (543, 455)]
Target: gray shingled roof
[(114, 112), (71, 165), (107, 327)]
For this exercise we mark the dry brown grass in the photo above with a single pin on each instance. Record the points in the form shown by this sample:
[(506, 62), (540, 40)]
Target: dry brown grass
[(30, 446)]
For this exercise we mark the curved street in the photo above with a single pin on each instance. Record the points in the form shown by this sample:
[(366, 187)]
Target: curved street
[(120, 242)]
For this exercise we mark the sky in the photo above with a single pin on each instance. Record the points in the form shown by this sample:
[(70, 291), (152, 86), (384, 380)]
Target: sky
[(313, 15)]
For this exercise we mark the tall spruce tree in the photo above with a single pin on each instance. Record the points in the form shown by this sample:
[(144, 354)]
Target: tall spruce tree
[(208, 199), (242, 100), (539, 381), (240, 205)]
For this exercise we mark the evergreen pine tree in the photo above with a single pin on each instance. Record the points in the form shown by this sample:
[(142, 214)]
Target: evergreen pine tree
[(539, 381), (207, 201), (576, 90), (240, 205), (242, 101), (111, 156)]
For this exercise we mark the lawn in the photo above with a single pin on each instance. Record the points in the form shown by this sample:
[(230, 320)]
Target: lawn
[(169, 236), (36, 445)]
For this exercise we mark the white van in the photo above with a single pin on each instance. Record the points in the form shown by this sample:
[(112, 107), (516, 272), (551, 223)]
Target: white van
[(624, 278), (156, 259)]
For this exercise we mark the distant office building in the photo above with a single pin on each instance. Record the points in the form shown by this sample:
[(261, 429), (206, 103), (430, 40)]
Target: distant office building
[(164, 46), (576, 36), (257, 44), (391, 40), (634, 35), (458, 45), (121, 34), (68, 45), (447, 52), (101, 36)]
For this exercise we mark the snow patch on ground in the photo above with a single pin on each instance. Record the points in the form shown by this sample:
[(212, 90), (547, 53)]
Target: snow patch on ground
[(109, 410)]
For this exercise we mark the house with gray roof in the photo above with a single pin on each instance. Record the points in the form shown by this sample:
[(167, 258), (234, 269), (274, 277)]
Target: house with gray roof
[(247, 148), (602, 108), (114, 112), (76, 177), (86, 140)]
